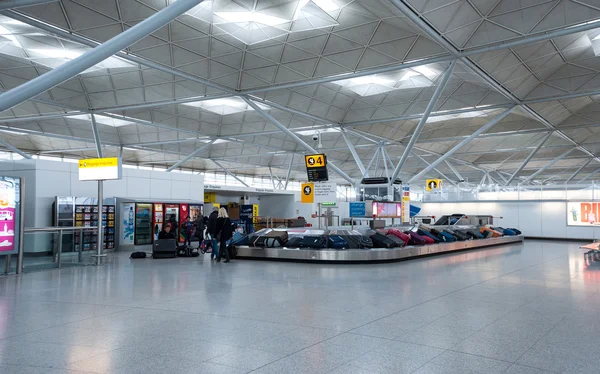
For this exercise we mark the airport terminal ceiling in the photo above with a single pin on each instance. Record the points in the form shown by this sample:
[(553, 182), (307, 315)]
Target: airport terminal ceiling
[(509, 89)]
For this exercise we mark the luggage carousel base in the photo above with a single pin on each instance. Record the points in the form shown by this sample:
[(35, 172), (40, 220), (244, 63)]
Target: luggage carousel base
[(371, 255)]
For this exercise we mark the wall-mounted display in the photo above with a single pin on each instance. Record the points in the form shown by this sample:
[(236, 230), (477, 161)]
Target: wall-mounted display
[(128, 224), (583, 213), (10, 200), (387, 210)]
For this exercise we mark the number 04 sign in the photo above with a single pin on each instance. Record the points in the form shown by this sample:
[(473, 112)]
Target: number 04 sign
[(315, 161)]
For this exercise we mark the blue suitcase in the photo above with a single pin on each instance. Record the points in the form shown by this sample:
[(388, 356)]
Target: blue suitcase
[(239, 239), (447, 237), (336, 242), (428, 234)]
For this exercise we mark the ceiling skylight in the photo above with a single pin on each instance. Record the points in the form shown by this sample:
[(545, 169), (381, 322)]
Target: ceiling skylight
[(255, 21), (108, 121), (448, 117), (225, 106), (20, 40), (381, 83)]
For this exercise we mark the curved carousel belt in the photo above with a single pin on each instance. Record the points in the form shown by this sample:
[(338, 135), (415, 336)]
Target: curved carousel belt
[(375, 254)]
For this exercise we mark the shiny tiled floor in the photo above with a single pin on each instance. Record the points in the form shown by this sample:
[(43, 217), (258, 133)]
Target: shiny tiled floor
[(527, 309)]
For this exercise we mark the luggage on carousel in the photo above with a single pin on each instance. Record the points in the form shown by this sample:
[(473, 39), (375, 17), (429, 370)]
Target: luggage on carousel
[(474, 234), (280, 236), (427, 234), (460, 235), (336, 242), (517, 231), (239, 239), (405, 238), (294, 242), (382, 241), (313, 242), (415, 239), (487, 233), (399, 242), (446, 237)]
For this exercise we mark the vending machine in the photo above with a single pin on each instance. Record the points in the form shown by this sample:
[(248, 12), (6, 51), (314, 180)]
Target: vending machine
[(158, 219), (196, 210), (183, 215), (172, 217), (143, 224)]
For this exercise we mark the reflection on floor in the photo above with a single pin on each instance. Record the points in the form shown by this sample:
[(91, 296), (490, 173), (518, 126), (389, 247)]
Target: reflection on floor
[(530, 308)]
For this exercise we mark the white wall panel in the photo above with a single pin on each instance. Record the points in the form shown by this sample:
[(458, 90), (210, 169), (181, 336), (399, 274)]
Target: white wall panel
[(159, 188), (554, 219), (138, 188)]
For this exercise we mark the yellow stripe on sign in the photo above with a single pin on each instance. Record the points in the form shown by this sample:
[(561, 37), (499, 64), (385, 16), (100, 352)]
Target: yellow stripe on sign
[(99, 162)]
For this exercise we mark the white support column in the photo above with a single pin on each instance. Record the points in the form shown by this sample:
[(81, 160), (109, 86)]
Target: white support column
[(271, 176), (359, 163), (446, 155), (579, 170), (229, 173), (190, 156), (549, 164), (417, 132), (295, 137), (520, 168), (70, 69)]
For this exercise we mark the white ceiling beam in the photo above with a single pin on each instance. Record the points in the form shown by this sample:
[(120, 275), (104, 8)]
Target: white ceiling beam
[(446, 155), (228, 172), (289, 172), (11, 4), (554, 161), (417, 131), (190, 156), (524, 163), (96, 134), (578, 171), (359, 163), (588, 176), (94, 56), (423, 24), (68, 35), (295, 137), (12, 148)]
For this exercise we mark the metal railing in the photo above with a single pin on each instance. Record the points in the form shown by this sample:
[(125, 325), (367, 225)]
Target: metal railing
[(57, 247)]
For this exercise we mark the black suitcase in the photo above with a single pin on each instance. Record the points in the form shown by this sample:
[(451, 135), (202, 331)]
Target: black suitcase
[(280, 237), (313, 242), (399, 242), (294, 242), (382, 241), (462, 236)]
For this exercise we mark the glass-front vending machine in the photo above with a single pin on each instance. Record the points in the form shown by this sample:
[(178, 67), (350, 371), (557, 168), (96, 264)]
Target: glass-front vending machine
[(172, 217), (143, 224), (158, 219)]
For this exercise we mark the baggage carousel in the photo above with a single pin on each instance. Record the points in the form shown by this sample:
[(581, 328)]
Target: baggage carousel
[(369, 255)]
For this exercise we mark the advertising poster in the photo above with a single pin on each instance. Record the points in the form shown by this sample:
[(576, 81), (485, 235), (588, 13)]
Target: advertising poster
[(358, 209), (195, 212), (583, 213), (387, 210), (183, 215), (127, 220), (159, 219), (8, 205), (405, 203)]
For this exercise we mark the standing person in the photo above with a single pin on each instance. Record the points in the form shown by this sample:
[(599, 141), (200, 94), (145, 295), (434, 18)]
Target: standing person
[(223, 233), (188, 228), (211, 232), (173, 222)]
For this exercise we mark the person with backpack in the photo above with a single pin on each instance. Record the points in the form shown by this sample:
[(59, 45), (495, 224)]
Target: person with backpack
[(211, 232), (199, 223), (224, 233)]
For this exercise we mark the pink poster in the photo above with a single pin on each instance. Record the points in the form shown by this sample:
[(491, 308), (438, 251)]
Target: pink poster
[(7, 215)]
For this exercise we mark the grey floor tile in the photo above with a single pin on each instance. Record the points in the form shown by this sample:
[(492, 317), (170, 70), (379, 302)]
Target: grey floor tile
[(520, 369), (456, 362), (246, 358), (192, 316)]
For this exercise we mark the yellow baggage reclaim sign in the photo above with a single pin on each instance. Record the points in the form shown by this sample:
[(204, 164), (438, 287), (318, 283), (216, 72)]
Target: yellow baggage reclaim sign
[(99, 169), (307, 195), (433, 184)]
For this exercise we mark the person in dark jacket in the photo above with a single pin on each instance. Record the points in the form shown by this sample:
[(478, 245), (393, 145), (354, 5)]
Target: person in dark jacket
[(166, 233), (211, 231), (223, 233)]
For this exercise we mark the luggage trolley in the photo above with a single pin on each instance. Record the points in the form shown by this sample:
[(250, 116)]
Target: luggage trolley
[(592, 256)]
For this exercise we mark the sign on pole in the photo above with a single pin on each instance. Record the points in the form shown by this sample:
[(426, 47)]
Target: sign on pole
[(358, 209), (325, 192), (100, 169)]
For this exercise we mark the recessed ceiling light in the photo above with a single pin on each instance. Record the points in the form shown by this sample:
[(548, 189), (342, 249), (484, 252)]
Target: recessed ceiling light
[(225, 106), (58, 53), (245, 17), (108, 121)]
